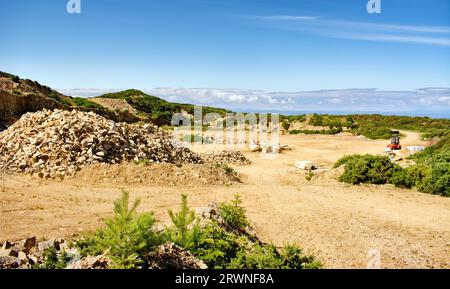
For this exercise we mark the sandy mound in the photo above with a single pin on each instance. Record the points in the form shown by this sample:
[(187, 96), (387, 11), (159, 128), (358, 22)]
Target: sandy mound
[(163, 174)]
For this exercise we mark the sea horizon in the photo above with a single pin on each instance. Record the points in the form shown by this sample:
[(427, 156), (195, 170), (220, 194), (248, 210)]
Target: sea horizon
[(433, 115)]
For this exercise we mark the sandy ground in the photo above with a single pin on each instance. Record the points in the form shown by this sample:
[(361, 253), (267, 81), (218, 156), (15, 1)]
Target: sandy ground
[(338, 223)]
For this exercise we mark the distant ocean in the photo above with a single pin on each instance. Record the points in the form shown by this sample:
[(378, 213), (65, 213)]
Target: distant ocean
[(437, 115)]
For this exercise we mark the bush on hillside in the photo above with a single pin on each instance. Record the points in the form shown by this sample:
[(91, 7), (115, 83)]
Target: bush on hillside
[(431, 174), (401, 178), (83, 102), (378, 126), (368, 169), (233, 213), (437, 179), (332, 131)]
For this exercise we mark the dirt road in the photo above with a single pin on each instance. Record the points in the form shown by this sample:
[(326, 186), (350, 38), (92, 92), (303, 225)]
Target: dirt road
[(337, 222)]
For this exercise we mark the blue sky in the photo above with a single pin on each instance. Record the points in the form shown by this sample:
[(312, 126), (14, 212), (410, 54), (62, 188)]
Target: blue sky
[(241, 50)]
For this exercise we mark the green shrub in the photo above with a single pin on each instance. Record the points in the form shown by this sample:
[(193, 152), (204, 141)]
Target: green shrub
[(255, 256), (374, 132), (401, 178), (437, 181), (185, 231), (432, 172), (269, 257), (368, 169), (233, 213), (127, 238), (16, 91), (84, 102), (15, 78), (293, 258), (221, 249), (418, 173), (317, 120), (53, 260), (430, 175), (331, 131), (216, 246)]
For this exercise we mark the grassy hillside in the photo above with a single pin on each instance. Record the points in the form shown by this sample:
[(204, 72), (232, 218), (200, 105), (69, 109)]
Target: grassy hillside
[(374, 126), (157, 108), (378, 126)]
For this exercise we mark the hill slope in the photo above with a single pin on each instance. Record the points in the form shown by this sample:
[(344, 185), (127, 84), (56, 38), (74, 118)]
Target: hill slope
[(158, 110)]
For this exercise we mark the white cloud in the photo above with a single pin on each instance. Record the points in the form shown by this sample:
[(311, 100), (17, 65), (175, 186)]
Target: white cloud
[(383, 32), (435, 100), (404, 39), (348, 100)]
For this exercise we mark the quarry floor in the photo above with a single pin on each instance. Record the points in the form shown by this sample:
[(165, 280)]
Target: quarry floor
[(344, 226)]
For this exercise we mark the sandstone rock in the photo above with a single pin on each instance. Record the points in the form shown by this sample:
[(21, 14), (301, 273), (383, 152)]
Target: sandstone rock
[(22, 256), (91, 262), (42, 246), (6, 245), (33, 260), (5, 252), (9, 262), (27, 244), (305, 165)]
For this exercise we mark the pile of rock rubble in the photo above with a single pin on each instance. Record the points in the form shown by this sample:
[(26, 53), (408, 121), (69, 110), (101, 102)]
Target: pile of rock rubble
[(58, 143), (27, 253), (226, 157), (30, 254)]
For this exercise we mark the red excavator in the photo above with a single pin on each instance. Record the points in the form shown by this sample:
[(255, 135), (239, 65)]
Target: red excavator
[(395, 141)]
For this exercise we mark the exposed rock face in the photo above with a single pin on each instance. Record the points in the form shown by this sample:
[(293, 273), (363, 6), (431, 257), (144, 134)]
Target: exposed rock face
[(18, 96), (58, 143), (13, 106)]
